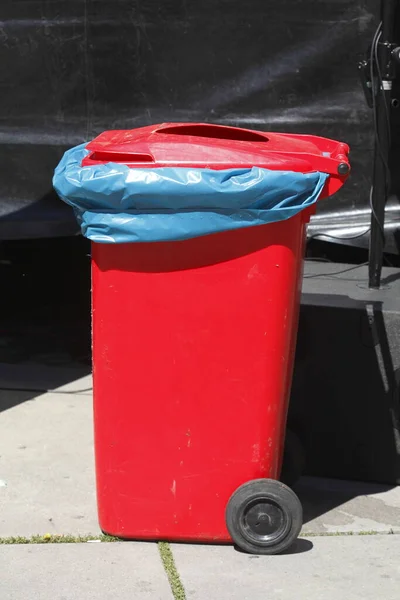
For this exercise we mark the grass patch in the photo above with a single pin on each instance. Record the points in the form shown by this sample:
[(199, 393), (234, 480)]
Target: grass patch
[(48, 538), (168, 561)]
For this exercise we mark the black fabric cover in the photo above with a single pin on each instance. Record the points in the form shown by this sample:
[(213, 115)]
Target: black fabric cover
[(71, 69)]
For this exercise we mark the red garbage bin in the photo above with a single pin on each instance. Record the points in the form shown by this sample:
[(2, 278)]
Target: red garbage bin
[(193, 345)]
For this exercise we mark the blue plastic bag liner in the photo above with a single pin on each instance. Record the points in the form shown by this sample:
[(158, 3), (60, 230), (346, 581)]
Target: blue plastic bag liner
[(117, 204)]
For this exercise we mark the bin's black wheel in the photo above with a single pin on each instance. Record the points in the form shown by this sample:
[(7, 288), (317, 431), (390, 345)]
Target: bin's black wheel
[(294, 459), (264, 516)]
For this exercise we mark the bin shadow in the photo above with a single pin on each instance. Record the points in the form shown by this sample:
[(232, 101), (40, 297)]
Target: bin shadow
[(345, 399), (300, 546)]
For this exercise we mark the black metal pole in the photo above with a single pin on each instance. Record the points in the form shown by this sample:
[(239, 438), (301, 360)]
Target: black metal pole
[(383, 72)]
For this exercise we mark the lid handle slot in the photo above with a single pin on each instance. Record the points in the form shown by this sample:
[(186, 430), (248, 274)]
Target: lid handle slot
[(219, 132)]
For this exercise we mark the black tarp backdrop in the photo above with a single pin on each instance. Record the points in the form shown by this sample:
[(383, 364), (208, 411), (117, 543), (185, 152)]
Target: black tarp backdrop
[(73, 68)]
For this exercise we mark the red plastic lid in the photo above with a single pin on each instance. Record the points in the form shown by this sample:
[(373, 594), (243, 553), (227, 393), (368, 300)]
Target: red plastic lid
[(211, 146)]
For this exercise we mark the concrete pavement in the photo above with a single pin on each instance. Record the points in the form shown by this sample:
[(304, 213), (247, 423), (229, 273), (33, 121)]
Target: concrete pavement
[(47, 472), (332, 506), (46, 465), (47, 486), (83, 572), (353, 568)]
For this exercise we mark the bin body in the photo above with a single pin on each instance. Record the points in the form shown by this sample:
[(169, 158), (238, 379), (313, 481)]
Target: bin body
[(192, 352), (193, 340)]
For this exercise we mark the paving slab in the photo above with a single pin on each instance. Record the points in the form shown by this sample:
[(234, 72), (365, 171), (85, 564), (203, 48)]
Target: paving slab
[(124, 571), (332, 506), (47, 482), (350, 567)]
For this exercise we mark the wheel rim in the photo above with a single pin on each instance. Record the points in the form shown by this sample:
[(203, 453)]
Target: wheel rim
[(264, 522)]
